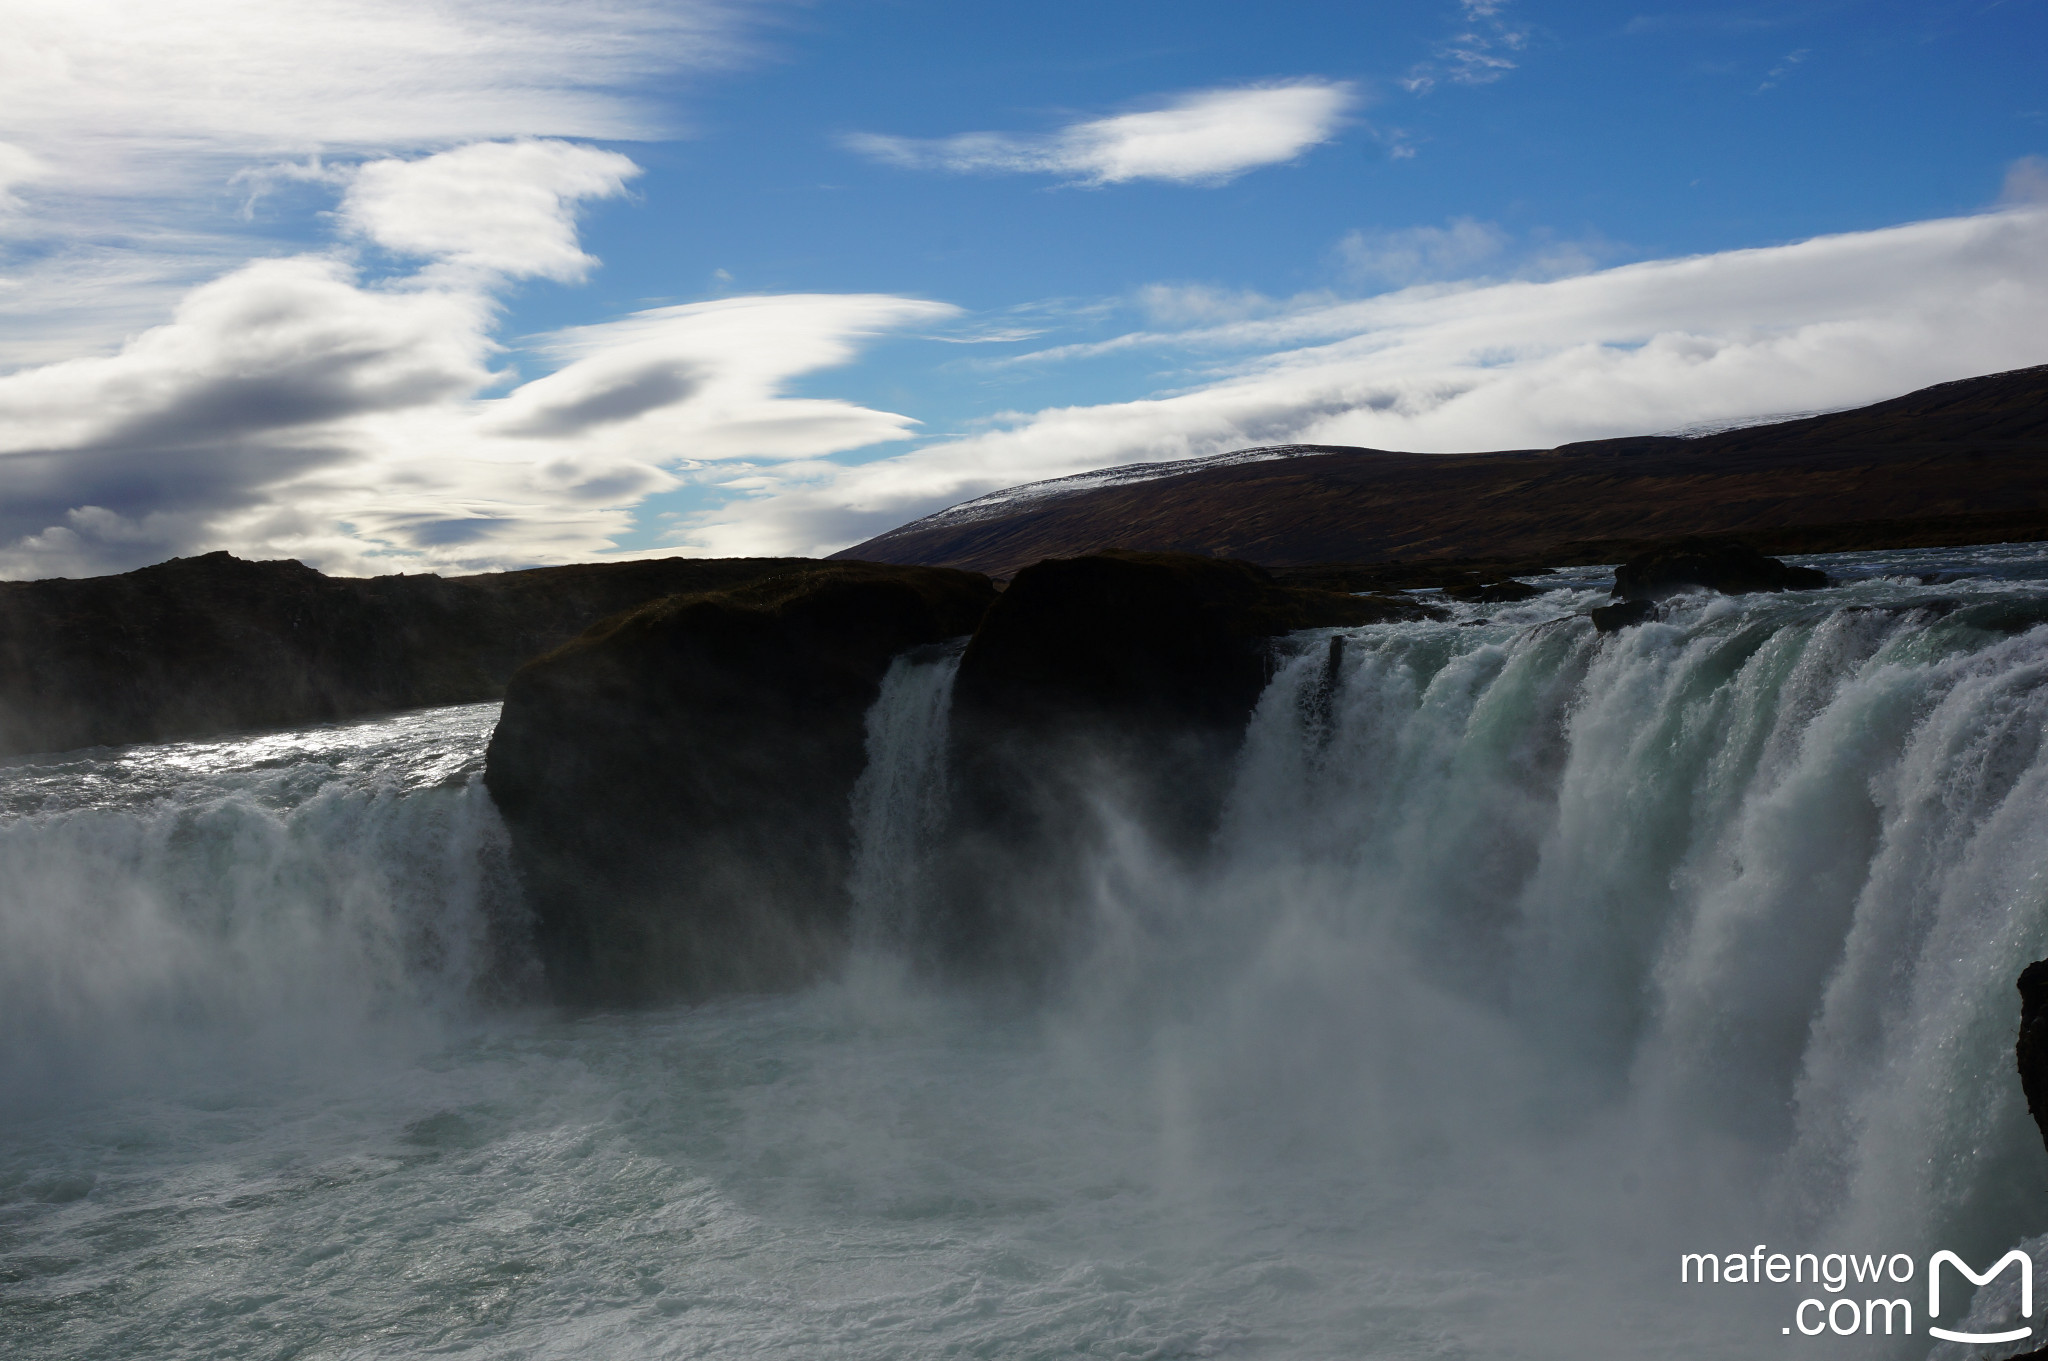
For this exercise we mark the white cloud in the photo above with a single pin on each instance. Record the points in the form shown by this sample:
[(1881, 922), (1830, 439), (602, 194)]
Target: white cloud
[(289, 409), (17, 167), (1835, 321), (125, 123), (497, 207), (157, 82), (1204, 137), (703, 381)]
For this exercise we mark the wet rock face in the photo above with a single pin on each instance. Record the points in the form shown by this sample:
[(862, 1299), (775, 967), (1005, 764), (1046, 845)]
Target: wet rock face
[(2032, 1049), (677, 779), (1136, 671), (1728, 568), (1505, 592), (1628, 613)]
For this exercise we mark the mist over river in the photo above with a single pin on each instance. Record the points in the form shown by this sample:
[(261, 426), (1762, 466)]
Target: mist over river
[(1525, 959)]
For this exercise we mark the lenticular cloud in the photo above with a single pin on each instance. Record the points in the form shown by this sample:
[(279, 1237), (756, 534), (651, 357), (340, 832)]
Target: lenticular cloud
[(1206, 137)]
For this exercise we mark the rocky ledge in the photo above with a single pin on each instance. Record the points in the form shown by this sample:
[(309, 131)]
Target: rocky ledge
[(677, 781), (1707, 564), (1696, 565)]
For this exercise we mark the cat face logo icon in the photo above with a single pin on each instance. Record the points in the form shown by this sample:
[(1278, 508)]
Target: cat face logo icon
[(2026, 1266)]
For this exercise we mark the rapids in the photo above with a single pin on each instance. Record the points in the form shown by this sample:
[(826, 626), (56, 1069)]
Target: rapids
[(1524, 960)]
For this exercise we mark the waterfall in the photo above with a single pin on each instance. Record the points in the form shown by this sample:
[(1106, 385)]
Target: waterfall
[(1521, 959), (272, 899), (899, 803), (1708, 927)]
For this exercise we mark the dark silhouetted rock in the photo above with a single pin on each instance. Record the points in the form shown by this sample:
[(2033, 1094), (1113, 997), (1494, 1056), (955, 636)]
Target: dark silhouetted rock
[(677, 779), (2032, 1049), (1614, 618), (1397, 575), (210, 644), (1155, 639), (1492, 592), (1134, 671), (1729, 568)]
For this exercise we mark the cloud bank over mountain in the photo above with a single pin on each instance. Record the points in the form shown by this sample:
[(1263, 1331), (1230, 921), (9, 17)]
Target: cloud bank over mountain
[(1831, 322)]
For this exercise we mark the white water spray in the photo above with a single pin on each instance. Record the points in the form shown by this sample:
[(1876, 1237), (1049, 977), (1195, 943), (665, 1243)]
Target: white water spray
[(279, 898)]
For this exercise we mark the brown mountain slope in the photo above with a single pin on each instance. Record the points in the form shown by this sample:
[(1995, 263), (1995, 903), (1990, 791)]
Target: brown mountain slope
[(1963, 462)]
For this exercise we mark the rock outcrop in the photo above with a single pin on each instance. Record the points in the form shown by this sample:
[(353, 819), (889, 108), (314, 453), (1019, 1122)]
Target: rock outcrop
[(2032, 1050), (1715, 565), (1151, 639), (1129, 670), (1505, 592), (677, 779), (1627, 614), (211, 644)]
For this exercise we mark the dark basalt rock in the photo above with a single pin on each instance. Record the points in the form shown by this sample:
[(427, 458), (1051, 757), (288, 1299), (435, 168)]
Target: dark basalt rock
[(677, 779), (211, 644), (1614, 618), (1120, 669), (1729, 568), (2032, 1050), (1493, 592), (1450, 576), (1150, 638)]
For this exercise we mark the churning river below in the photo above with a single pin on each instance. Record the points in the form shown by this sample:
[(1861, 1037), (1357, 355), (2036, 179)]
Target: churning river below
[(1524, 961)]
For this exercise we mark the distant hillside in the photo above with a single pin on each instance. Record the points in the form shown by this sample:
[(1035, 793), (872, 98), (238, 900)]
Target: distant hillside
[(210, 644), (1963, 462)]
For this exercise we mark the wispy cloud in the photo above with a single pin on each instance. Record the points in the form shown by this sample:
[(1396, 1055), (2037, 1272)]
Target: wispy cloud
[(154, 84), (132, 129), (1479, 53), (1203, 137), (2026, 182), (1776, 76), (1465, 248), (1409, 255), (1835, 321)]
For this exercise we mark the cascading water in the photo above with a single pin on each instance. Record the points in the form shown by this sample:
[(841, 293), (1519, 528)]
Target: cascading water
[(219, 901), (1524, 960), (899, 803)]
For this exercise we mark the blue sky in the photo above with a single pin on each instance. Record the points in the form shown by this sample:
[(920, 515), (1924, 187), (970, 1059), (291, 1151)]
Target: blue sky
[(388, 288)]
